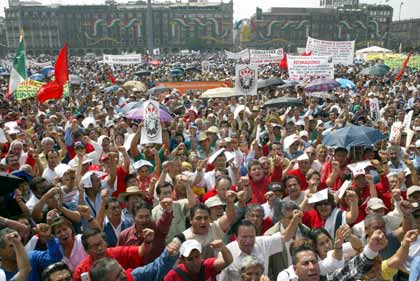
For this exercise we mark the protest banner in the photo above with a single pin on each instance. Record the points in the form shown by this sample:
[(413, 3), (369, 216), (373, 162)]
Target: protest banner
[(310, 67), (265, 56), (244, 55), (151, 132), (246, 79), (396, 132), (342, 52), (407, 121), (183, 87), (122, 59), (29, 89)]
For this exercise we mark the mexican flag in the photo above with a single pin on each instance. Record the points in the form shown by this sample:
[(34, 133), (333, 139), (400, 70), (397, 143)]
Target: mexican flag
[(18, 73)]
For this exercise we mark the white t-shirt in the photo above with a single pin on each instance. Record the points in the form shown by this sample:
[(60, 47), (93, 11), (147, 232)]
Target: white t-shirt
[(77, 253), (264, 247)]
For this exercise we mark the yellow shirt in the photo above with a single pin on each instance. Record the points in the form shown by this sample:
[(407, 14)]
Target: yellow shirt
[(388, 272)]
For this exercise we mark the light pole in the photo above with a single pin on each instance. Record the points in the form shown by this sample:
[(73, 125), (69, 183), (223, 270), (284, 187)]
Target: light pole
[(401, 4)]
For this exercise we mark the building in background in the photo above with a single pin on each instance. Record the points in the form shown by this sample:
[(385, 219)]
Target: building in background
[(337, 3), (404, 35), (3, 38), (290, 27), (116, 28)]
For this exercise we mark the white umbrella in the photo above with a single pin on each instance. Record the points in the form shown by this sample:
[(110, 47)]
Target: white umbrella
[(373, 49), (222, 92)]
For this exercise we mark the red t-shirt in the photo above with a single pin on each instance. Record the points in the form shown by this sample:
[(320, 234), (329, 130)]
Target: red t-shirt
[(326, 171), (128, 257), (210, 272), (313, 219), (121, 187), (302, 179)]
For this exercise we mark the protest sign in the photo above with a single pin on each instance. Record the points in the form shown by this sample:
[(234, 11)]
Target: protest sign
[(395, 60), (122, 59), (265, 56), (183, 87), (342, 52), (395, 134), (246, 79), (29, 89), (407, 121), (375, 113), (205, 66), (151, 132), (244, 55), (310, 67)]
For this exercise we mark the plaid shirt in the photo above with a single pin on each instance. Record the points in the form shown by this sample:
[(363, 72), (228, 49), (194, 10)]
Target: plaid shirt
[(354, 269)]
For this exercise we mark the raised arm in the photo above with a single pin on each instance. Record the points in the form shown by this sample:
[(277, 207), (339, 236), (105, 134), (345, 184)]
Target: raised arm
[(229, 217), (22, 259), (353, 201), (134, 151), (226, 256)]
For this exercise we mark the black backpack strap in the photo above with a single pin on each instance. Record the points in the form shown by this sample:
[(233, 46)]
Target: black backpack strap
[(182, 274), (338, 221)]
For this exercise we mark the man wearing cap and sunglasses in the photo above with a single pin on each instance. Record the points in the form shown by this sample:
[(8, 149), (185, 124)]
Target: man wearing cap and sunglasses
[(192, 267)]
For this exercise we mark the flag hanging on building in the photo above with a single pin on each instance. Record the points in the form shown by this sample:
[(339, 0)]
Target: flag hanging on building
[(18, 73)]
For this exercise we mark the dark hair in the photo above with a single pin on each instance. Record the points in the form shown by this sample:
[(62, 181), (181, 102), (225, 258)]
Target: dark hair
[(298, 246), (164, 184), (89, 233), (253, 163), (36, 182), (111, 200), (280, 208), (139, 206), (315, 233), (51, 151), (101, 268), (289, 177), (60, 222), (199, 206), (53, 268), (129, 177), (245, 223)]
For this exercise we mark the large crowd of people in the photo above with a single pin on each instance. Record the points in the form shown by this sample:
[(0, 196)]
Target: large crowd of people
[(235, 191)]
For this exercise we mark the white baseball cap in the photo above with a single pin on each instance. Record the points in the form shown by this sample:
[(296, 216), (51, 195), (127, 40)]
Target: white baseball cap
[(376, 204), (188, 246)]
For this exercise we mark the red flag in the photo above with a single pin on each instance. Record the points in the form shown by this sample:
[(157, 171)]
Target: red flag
[(61, 70), (283, 62), (398, 77), (307, 54), (54, 89), (112, 78), (51, 90)]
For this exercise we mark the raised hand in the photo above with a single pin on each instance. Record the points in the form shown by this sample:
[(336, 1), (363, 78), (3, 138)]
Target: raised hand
[(44, 231), (217, 245), (377, 241), (148, 235), (230, 196), (173, 248)]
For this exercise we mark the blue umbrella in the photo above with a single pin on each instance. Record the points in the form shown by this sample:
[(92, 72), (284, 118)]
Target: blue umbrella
[(176, 72), (111, 89), (345, 83), (37, 77), (351, 136), (47, 71)]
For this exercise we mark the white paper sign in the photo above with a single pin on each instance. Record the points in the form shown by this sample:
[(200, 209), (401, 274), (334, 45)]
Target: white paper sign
[(343, 188), (156, 52), (246, 79), (342, 52), (395, 134), (319, 196), (407, 121), (310, 67), (12, 127), (375, 113), (359, 167), (122, 59), (152, 130), (3, 138), (265, 56)]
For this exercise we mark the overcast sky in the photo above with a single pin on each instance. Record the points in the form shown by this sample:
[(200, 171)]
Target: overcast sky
[(243, 9)]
